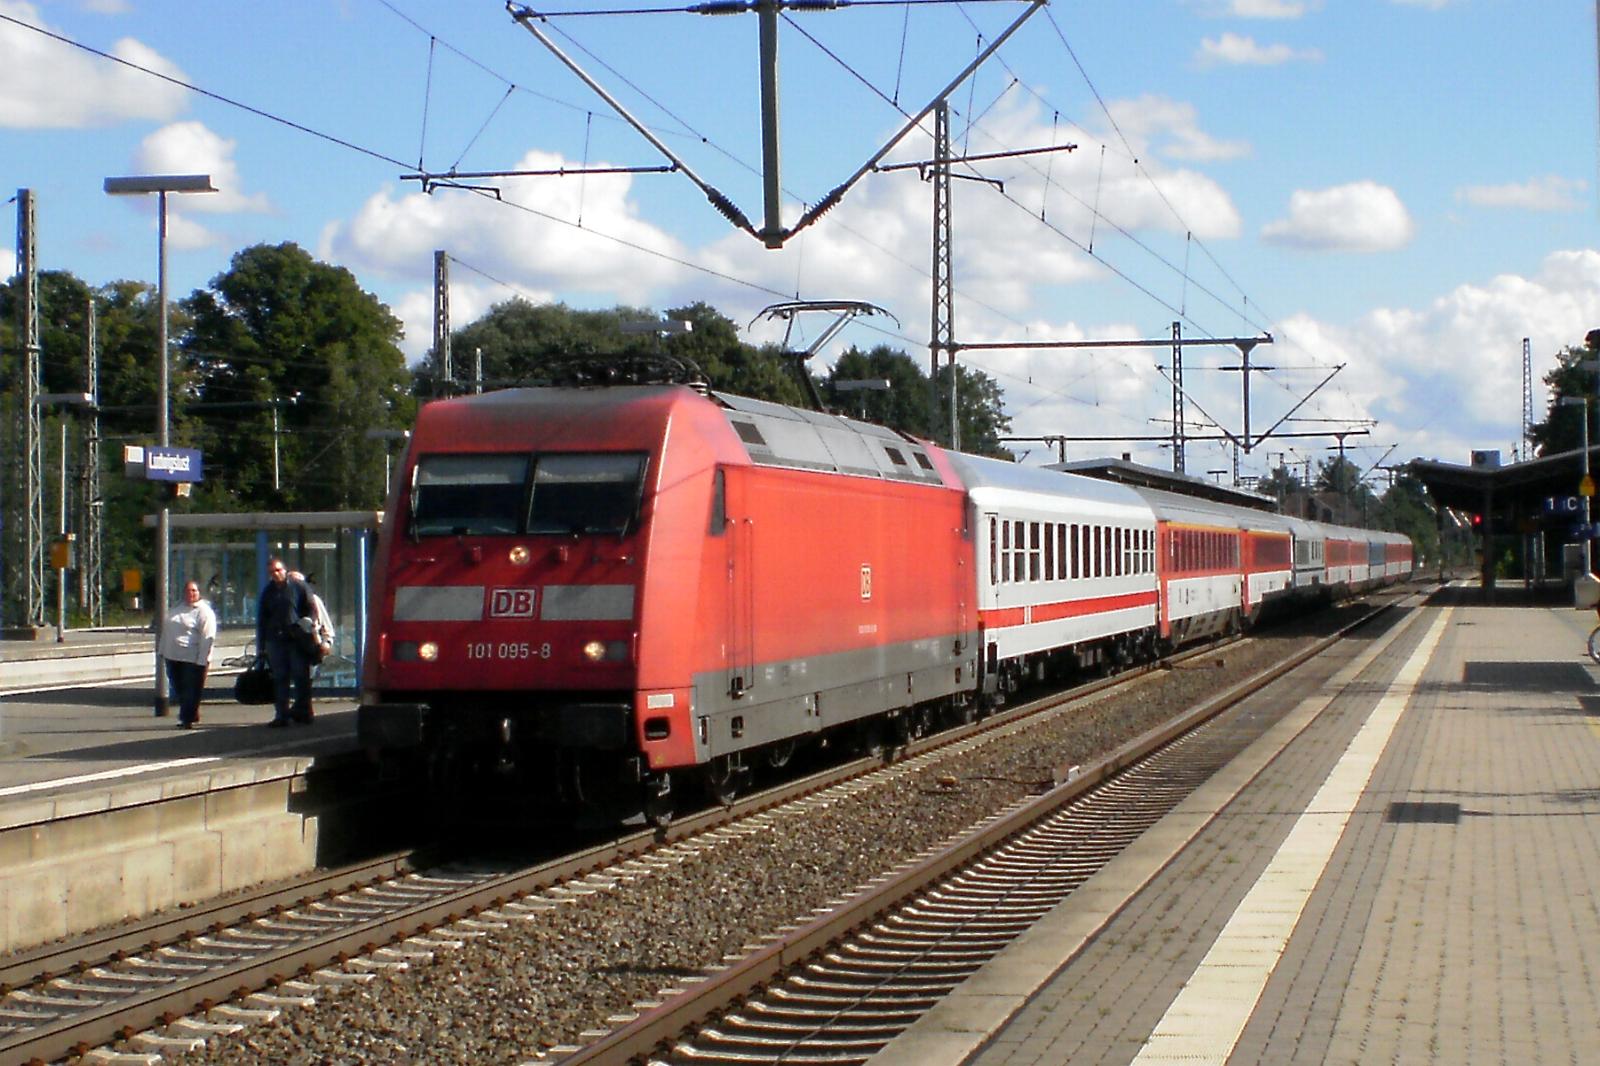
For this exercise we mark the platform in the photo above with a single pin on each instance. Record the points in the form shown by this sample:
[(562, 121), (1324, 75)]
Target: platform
[(1402, 870), (109, 812)]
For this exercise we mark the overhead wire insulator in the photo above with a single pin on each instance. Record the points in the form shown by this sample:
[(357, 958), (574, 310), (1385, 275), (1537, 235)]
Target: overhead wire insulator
[(828, 202), (814, 5), (722, 7), (728, 209)]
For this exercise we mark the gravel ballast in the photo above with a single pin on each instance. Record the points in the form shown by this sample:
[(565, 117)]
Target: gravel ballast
[(515, 993)]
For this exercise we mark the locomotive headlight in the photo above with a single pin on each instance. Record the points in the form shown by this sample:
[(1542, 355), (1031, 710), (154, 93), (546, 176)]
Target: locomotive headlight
[(427, 651), (596, 651), (519, 556)]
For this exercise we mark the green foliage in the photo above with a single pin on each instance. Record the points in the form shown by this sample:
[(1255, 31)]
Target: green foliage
[(281, 334), (1405, 508), (1562, 428), (1281, 484), (905, 405)]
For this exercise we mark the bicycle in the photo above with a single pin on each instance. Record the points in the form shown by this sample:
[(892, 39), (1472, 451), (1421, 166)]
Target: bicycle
[(1593, 644)]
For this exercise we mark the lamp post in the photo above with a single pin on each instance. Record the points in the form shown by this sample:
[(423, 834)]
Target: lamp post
[(1586, 483), (863, 386), (161, 185), (387, 435)]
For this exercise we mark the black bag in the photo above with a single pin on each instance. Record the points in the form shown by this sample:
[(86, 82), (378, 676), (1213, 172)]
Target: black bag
[(254, 685)]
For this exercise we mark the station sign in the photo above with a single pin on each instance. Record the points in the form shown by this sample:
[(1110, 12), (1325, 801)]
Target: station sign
[(1563, 504), (158, 463)]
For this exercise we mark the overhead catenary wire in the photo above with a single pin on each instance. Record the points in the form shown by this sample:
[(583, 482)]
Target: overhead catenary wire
[(511, 87)]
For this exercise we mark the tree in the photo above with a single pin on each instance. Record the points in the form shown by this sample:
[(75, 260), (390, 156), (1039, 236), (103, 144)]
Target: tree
[(1281, 484), (1405, 508), (280, 332), (982, 411), (527, 344), (1562, 428), (905, 404), (127, 331)]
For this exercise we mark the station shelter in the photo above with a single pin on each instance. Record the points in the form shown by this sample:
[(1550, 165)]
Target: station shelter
[(227, 555), (1541, 501)]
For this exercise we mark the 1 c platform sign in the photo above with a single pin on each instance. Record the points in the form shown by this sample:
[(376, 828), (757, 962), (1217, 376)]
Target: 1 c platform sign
[(512, 603)]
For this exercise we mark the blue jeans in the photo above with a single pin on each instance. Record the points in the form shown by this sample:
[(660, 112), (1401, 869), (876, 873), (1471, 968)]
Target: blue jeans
[(188, 682), (291, 680)]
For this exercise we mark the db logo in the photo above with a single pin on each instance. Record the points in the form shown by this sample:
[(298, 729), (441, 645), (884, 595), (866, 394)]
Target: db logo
[(511, 603)]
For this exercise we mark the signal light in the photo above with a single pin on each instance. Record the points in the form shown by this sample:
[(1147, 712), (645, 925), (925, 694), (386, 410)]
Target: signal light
[(1477, 521)]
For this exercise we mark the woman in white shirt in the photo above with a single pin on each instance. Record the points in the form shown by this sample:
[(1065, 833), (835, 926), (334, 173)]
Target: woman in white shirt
[(186, 641)]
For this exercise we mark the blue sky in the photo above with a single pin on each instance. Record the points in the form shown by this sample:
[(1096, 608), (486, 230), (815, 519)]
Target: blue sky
[(1401, 187)]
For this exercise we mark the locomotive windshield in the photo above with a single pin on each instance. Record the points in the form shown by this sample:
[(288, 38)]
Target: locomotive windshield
[(572, 492), (585, 493), (468, 494)]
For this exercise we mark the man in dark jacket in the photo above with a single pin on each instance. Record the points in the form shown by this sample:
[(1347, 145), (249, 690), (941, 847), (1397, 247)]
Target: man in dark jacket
[(284, 601)]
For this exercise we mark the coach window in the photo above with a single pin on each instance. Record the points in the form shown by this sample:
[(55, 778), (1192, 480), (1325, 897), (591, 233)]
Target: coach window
[(1061, 548), (1099, 551), (1049, 551), (1019, 548), (1116, 552), (1033, 551), (1005, 552)]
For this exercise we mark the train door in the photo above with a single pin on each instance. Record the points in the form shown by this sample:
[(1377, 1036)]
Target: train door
[(739, 653), (986, 585)]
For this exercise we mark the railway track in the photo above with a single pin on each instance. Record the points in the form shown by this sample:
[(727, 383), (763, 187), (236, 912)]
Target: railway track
[(170, 986), (837, 989)]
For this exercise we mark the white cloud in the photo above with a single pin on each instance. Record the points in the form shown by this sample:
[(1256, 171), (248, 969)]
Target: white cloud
[(1446, 378), (185, 234), (1549, 193), (8, 263), (191, 148), (1257, 9), (1269, 9), (1234, 50), (540, 250), (45, 84), (1156, 124), (1362, 216), (874, 245), (108, 7), (1431, 5)]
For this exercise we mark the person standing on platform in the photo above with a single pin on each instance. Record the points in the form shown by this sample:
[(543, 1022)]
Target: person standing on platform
[(186, 641), (283, 602)]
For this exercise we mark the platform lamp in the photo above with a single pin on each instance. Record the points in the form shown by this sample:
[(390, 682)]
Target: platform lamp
[(863, 386), (161, 185), (1574, 401)]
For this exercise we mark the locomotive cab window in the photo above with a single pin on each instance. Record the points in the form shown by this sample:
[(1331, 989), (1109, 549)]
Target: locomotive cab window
[(467, 494), (596, 492)]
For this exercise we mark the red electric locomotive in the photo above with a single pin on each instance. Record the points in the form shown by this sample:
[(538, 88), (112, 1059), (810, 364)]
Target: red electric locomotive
[(594, 595), (610, 591)]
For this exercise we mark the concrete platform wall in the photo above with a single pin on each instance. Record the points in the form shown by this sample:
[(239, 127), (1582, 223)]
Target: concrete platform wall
[(87, 860)]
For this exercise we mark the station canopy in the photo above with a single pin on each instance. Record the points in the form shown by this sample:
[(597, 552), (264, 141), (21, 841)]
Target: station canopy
[(1516, 490)]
